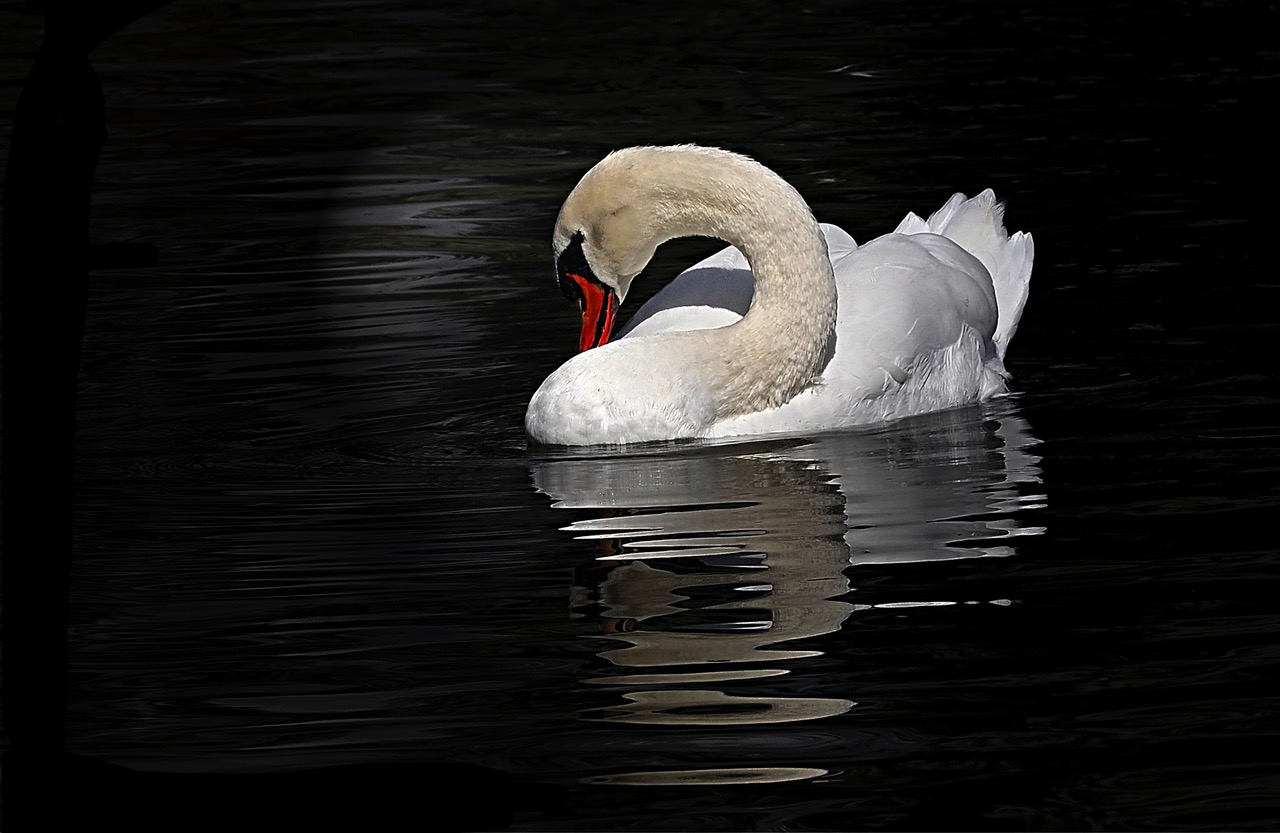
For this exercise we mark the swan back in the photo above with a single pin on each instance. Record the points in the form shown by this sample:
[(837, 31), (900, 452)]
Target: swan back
[(977, 226)]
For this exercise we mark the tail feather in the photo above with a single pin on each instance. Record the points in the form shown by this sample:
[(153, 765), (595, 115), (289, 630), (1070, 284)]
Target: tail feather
[(977, 226)]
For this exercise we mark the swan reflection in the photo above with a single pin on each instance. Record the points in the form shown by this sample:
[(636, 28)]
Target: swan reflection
[(713, 564)]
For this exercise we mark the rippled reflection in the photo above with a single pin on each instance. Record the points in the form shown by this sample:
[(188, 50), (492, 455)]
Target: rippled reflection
[(714, 563)]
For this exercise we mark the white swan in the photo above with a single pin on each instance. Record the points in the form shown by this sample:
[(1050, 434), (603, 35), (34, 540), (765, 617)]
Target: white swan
[(793, 328)]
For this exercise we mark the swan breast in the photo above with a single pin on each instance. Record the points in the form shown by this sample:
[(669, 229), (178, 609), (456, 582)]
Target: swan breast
[(631, 390)]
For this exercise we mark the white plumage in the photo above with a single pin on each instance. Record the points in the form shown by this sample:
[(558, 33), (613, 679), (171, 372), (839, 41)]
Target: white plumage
[(792, 328)]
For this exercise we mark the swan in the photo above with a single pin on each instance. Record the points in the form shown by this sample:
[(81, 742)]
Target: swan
[(792, 328)]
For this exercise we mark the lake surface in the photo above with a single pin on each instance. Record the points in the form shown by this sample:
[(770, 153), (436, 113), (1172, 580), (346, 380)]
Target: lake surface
[(310, 531)]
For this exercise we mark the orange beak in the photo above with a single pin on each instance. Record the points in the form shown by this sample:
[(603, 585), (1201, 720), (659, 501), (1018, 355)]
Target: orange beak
[(599, 306)]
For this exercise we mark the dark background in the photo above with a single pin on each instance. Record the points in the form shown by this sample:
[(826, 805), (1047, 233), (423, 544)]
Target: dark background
[(335, 226)]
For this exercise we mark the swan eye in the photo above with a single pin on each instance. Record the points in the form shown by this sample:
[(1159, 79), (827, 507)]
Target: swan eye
[(572, 270), (574, 274)]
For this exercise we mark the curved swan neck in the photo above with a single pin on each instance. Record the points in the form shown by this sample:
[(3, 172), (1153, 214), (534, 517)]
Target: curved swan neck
[(638, 198)]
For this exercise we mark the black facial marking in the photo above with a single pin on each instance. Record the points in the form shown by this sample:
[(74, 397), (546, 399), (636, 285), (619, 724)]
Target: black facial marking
[(573, 261)]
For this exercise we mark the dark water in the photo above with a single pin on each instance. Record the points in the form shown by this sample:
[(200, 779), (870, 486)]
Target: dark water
[(310, 532)]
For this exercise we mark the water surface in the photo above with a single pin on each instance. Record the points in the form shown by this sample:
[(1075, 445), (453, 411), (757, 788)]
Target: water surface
[(310, 531)]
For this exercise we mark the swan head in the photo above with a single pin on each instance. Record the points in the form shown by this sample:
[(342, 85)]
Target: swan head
[(607, 232)]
